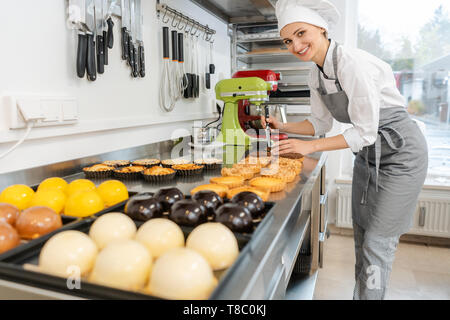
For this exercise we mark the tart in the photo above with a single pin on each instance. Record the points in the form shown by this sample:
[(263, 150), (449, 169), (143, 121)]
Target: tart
[(209, 164), (269, 184), (133, 172), (264, 194), (247, 174), (262, 161), (172, 162), (230, 182), (146, 162), (117, 163), (220, 189), (255, 168), (284, 174), (293, 156), (187, 169), (98, 171), (158, 174)]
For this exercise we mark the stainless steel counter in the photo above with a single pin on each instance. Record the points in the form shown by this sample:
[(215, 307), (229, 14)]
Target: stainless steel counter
[(265, 265)]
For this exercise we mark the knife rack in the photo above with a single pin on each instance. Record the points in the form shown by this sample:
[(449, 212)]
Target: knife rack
[(182, 22)]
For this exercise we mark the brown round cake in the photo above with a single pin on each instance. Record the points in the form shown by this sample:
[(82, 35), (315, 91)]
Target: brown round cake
[(9, 238), (9, 213), (37, 221)]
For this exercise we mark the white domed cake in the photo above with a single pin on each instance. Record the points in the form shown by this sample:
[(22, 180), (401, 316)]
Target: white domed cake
[(160, 235), (123, 264), (111, 227), (182, 274), (66, 250), (216, 243)]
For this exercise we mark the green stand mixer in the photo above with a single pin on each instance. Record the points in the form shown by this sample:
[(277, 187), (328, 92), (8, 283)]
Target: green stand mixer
[(231, 91)]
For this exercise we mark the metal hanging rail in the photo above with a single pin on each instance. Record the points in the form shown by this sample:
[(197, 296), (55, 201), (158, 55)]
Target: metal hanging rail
[(189, 25)]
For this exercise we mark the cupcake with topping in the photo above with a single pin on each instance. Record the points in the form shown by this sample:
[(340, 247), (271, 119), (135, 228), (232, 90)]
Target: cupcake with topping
[(209, 164), (146, 162), (133, 172), (188, 169), (117, 163), (98, 171), (173, 162), (158, 174)]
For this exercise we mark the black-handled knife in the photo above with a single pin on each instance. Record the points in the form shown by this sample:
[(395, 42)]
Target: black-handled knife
[(100, 55), (90, 58), (110, 38), (141, 61), (125, 44), (135, 62), (105, 48), (130, 51), (81, 55)]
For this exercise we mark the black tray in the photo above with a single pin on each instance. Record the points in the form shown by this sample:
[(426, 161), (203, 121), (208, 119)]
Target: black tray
[(11, 263)]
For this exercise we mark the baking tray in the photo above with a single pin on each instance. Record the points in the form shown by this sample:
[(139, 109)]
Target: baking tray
[(11, 263)]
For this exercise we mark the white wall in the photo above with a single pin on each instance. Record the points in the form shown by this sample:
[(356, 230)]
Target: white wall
[(116, 111)]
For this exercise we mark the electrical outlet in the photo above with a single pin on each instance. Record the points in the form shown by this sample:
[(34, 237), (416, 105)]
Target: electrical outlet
[(43, 110)]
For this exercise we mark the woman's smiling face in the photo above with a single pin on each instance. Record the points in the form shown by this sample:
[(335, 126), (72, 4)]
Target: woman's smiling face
[(305, 41)]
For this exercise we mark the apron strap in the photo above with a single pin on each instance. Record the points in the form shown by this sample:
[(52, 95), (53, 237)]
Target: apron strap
[(386, 133), (322, 90), (335, 64)]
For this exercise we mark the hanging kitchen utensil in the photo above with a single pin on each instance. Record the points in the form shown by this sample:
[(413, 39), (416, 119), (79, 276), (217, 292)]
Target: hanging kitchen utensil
[(99, 39), (197, 70), (133, 48), (175, 76), (90, 23), (182, 69), (125, 28), (105, 7), (212, 67), (165, 99), (77, 20), (140, 38), (188, 66), (110, 37)]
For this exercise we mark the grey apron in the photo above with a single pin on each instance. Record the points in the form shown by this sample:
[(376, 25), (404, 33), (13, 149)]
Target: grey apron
[(388, 175)]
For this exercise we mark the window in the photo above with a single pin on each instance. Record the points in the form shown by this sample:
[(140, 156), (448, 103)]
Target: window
[(414, 38)]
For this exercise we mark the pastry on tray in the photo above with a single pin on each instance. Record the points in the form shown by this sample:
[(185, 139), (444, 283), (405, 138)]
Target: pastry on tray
[(286, 174), (146, 162), (255, 168), (117, 163), (269, 184), (133, 172), (220, 189), (210, 164), (230, 182), (294, 156), (264, 194), (187, 169), (98, 171), (262, 161), (235, 172), (158, 174), (173, 162)]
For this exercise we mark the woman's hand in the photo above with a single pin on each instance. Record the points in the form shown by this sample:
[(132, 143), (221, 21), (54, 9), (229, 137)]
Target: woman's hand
[(274, 123), (293, 146)]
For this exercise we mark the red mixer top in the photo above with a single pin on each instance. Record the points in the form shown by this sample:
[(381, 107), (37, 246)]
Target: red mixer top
[(267, 75)]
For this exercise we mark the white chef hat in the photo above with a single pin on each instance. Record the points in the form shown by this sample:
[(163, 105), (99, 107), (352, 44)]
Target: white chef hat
[(321, 13)]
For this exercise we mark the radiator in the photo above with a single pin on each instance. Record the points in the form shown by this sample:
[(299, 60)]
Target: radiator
[(432, 217), (344, 207)]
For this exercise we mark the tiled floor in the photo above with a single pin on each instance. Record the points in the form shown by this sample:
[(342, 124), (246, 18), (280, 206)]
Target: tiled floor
[(419, 272)]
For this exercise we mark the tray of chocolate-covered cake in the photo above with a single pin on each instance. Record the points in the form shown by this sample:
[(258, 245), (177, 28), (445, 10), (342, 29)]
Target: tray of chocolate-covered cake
[(162, 245)]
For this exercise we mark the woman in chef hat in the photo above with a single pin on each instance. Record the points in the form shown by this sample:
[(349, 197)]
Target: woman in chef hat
[(355, 87)]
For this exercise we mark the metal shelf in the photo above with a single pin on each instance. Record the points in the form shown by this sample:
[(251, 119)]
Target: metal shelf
[(278, 39), (268, 58)]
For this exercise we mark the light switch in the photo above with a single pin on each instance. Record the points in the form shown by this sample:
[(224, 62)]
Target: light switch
[(70, 110), (51, 110)]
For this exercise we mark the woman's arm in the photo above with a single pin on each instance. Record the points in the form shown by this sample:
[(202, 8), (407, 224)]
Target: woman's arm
[(302, 128), (308, 147)]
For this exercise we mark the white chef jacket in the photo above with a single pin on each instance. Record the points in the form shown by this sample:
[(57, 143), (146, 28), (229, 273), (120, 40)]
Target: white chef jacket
[(370, 86)]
